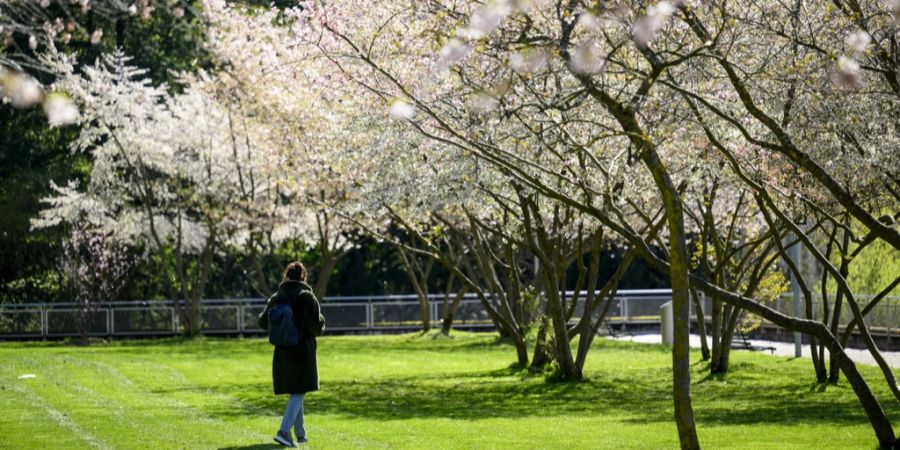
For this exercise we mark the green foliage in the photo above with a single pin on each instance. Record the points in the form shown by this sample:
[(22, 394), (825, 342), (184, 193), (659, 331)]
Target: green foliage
[(411, 391), (876, 266), (31, 156), (772, 285), (372, 268), (874, 269), (166, 45)]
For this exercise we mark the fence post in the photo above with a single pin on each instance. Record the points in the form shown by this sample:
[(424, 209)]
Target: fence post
[(436, 305), (891, 309), (240, 321), (240, 318), (174, 319), (45, 329)]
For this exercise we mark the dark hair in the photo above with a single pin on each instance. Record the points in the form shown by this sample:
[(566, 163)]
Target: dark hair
[(295, 271)]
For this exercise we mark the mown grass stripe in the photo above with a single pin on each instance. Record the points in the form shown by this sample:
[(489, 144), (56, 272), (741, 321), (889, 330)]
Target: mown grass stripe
[(261, 419), (148, 413), (414, 392), (35, 401)]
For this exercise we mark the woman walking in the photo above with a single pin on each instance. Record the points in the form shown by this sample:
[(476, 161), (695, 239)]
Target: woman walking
[(295, 319)]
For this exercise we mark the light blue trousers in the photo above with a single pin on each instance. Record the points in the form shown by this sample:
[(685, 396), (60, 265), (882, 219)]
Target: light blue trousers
[(293, 414)]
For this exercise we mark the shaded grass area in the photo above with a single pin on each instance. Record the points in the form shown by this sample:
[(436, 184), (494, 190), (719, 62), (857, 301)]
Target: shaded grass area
[(410, 391)]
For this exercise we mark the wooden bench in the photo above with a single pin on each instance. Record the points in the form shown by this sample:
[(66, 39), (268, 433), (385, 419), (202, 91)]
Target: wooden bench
[(741, 341)]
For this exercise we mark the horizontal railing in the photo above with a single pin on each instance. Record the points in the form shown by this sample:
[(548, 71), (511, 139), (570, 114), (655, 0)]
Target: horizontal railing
[(348, 314), (239, 316), (882, 320)]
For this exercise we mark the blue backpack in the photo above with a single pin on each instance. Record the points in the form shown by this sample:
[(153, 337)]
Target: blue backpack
[(282, 329)]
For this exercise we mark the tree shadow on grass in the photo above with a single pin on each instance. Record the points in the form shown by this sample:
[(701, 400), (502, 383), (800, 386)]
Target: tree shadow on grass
[(207, 347), (254, 447), (504, 393), (210, 347), (750, 394)]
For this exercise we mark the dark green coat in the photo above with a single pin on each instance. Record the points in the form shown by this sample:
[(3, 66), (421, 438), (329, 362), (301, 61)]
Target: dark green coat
[(294, 369)]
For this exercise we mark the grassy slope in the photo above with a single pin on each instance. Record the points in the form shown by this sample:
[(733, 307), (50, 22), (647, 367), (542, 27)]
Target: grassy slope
[(409, 392)]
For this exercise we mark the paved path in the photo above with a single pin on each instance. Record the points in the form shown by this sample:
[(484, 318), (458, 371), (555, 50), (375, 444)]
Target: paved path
[(781, 348)]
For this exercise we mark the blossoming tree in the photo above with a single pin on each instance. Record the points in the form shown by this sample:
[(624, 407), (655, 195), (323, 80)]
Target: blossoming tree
[(171, 174)]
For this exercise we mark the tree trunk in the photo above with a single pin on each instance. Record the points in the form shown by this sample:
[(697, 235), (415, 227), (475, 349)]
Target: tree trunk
[(418, 278), (585, 327), (194, 318), (678, 271), (562, 352), (817, 362), (716, 314), (589, 332), (701, 325), (547, 250), (542, 346), (425, 312), (730, 315), (329, 262), (521, 350), (838, 304), (450, 310), (884, 432)]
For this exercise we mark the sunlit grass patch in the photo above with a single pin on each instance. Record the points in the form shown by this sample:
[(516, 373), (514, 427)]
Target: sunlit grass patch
[(410, 391)]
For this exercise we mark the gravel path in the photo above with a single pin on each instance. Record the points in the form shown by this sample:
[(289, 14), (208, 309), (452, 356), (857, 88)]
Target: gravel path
[(781, 348)]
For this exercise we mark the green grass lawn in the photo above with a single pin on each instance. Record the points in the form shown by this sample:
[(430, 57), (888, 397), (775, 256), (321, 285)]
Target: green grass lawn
[(410, 391)]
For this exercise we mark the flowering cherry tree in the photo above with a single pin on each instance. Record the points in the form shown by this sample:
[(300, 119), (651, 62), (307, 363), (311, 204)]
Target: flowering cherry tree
[(173, 174), (497, 132), (581, 83), (31, 28), (95, 266)]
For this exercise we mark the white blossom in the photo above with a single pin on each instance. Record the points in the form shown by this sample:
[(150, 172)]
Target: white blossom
[(483, 102), (858, 42), (486, 19), (96, 36), (22, 90), (60, 110), (847, 74), (401, 110), (647, 26), (590, 21), (452, 52), (528, 61), (588, 58)]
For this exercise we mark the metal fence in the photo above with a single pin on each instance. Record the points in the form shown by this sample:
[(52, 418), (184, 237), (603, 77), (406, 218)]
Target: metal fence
[(883, 319), (349, 314), (239, 316)]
